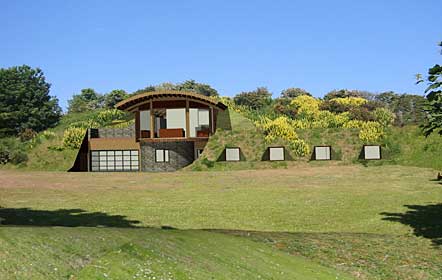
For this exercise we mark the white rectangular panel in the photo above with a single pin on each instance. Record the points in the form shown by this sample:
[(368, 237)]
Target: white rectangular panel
[(232, 154), (322, 153), (372, 152), (276, 153)]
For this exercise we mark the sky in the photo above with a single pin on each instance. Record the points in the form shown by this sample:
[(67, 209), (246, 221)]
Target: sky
[(234, 46)]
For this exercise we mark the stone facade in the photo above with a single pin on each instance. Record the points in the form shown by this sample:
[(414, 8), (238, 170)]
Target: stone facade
[(127, 132), (181, 154)]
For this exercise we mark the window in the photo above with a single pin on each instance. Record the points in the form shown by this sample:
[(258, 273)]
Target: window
[(276, 153), (232, 154), (203, 117), (145, 120), (161, 155), (323, 153), (372, 152), (116, 160), (199, 152), (199, 120)]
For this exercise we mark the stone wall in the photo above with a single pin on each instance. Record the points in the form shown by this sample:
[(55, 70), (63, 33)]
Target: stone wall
[(127, 132), (181, 154)]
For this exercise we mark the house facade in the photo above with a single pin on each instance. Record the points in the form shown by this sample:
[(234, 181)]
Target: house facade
[(171, 130)]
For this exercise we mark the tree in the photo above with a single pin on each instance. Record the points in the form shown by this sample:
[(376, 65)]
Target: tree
[(433, 108), (282, 106), (113, 97), (408, 108), (146, 89), (25, 101), (87, 100), (257, 99), (343, 93), (189, 85), (294, 92), (203, 89)]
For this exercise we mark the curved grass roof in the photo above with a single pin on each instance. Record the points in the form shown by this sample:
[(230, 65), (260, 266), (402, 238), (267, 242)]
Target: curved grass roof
[(143, 97)]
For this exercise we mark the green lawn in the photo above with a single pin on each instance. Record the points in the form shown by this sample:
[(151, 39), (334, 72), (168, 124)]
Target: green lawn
[(303, 222)]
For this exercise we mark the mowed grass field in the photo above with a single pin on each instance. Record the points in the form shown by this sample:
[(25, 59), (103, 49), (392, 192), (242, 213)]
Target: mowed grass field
[(303, 222)]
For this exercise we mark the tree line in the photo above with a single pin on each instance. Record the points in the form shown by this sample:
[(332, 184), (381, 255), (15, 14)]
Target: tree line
[(408, 108), (26, 103)]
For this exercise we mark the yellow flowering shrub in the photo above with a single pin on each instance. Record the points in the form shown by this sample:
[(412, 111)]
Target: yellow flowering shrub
[(354, 124), (329, 119), (300, 148), (108, 116), (73, 136), (282, 127), (307, 106), (371, 132), (350, 101), (277, 128), (384, 116)]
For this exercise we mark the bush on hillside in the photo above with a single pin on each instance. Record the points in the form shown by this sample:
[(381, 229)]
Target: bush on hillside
[(293, 93), (257, 99), (343, 93), (27, 134), (307, 107), (73, 137), (48, 135), (384, 116), (106, 117), (349, 101), (299, 148), (282, 128), (371, 132), (12, 151)]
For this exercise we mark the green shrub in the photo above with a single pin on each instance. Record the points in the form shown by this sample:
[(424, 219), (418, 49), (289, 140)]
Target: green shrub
[(48, 135), (383, 116), (27, 134), (106, 117), (73, 137), (12, 151), (299, 148), (91, 123), (56, 148), (18, 156)]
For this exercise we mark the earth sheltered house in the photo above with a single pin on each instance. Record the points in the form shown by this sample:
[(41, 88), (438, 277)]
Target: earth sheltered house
[(171, 130)]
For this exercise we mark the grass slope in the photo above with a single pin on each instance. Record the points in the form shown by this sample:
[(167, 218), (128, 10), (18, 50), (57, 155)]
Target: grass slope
[(405, 146), (234, 130), (370, 222), (88, 253), (409, 147)]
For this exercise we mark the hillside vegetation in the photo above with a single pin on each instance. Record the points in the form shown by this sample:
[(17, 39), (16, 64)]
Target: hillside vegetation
[(401, 145)]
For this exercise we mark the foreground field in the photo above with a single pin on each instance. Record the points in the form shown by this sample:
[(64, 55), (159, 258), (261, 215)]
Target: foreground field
[(298, 223)]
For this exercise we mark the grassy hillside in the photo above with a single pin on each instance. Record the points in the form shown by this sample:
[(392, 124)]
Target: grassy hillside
[(409, 147), (368, 222), (402, 145), (112, 253), (345, 143)]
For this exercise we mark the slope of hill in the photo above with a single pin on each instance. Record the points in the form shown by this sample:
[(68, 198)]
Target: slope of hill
[(402, 145)]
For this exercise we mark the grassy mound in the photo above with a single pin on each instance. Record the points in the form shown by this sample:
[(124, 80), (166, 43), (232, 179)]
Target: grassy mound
[(402, 145)]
